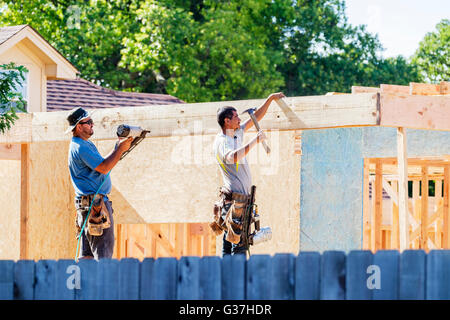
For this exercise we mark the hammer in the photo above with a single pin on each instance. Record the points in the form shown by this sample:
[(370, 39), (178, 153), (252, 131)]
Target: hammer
[(250, 111)]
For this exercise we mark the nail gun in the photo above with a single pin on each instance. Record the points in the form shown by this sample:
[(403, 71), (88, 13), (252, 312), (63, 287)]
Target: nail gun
[(125, 131)]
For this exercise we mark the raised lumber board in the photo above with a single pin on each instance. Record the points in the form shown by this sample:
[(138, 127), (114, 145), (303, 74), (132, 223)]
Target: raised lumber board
[(309, 112), (418, 112)]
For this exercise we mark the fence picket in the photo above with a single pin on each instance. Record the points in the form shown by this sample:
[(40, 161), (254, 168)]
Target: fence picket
[(259, 280), (332, 276), (6, 279), (210, 278), (24, 273), (438, 275), (307, 276), (88, 272), (283, 277), (233, 277), (358, 274), (188, 278), (388, 262), (129, 279), (165, 279), (66, 279), (147, 271), (108, 279), (45, 281), (412, 275)]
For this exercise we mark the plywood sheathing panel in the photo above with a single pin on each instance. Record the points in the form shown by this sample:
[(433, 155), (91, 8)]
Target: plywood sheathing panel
[(176, 180), (51, 216), (10, 177)]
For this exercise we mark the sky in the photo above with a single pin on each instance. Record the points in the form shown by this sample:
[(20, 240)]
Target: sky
[(400, 24)]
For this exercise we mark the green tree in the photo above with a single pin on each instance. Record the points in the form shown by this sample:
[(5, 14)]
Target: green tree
[(11, 101), (88, 33), (211, 58), (433, 55), (206, 50)]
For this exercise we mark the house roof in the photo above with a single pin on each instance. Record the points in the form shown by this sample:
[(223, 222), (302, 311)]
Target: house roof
[(68, 94), (11, 35), (8, 32)]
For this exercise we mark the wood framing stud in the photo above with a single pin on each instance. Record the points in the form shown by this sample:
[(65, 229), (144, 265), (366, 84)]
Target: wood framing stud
[(402, 189), (424, 210), (366, 206), (446, 213), (24, 200), (378, 204)]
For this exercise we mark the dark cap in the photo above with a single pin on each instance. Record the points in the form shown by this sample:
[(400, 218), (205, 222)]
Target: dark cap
[(75, 116)]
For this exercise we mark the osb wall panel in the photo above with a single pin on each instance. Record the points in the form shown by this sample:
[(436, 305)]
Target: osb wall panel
[(163, 180), (51, 224), (176, 179), (10, 211)]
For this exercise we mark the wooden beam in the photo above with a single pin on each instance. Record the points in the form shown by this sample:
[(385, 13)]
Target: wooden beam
[(430, 220), (394, 197), (378, 204), (446, 213), (424, 210), (310, 112), (402, 189), (394, 89), (10, 151), (366, 206), (439, 205), (424, 89), (24, 200), (361, 89), (419, 162), (418, 112), (395, 240), (445, 87)]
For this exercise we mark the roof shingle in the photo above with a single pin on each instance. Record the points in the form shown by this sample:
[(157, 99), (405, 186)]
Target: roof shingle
[(68, 94)]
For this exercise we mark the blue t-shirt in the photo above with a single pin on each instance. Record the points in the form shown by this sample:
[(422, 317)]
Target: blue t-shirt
[(83, 159)]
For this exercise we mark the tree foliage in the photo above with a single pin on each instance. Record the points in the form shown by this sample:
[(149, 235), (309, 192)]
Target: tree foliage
[(433, 55), (11, 76), (205, 50)]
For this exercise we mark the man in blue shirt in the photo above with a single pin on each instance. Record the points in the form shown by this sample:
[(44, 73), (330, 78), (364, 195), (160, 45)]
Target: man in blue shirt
[(89, 175)]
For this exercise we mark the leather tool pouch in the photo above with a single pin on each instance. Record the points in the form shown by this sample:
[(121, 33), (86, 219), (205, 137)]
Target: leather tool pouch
[(218, 224), (231, 221), (98, 217)]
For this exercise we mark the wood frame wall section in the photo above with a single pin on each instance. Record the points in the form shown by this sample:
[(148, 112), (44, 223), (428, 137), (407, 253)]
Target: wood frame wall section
[(428, 216)]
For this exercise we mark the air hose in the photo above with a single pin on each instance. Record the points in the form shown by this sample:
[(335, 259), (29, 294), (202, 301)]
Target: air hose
[(87, 217)]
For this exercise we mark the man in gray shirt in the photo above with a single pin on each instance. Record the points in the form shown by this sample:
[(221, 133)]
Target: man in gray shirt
[(230, 153)]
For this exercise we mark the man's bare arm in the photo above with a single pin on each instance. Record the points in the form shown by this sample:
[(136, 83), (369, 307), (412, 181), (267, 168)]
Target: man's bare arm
[(238, 154), (261, 111), (114, 157)]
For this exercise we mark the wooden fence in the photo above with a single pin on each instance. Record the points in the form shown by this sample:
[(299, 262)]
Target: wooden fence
[(412, 274)]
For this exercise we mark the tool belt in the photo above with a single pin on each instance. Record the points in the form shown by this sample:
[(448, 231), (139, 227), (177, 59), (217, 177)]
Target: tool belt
[(98, 216), (232, 220)]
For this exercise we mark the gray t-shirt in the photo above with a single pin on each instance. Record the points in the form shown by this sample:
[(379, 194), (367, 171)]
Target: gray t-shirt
[(236, 176)]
